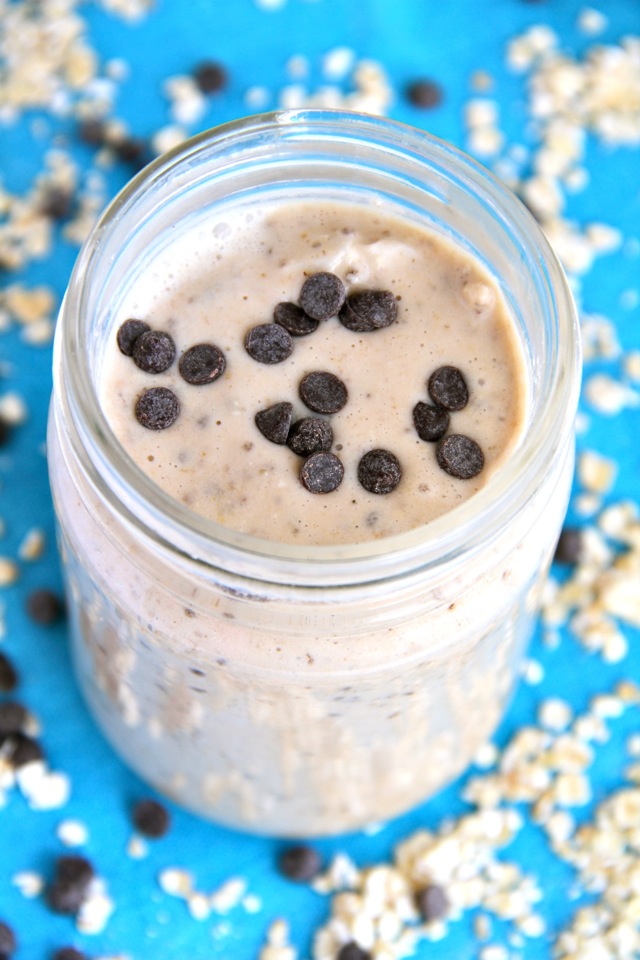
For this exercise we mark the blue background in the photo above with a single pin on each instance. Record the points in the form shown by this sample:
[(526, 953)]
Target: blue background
[(410, 38)]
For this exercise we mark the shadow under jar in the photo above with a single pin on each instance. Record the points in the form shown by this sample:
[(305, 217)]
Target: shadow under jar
[(288, 689)]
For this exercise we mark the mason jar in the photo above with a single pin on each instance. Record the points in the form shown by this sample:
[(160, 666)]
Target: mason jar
[(306, 690)]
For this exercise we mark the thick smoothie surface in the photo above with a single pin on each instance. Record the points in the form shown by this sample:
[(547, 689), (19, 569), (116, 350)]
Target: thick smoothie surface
[(216, 282)]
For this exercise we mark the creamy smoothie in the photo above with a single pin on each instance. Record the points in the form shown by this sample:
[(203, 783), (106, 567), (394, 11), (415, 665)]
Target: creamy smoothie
[(221, 280)]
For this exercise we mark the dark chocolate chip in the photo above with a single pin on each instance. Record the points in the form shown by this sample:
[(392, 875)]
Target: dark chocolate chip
[(424, 94), (447, 388), (74, 869), (432, 902), (460, 456), (268, 343), (5, 431), (322, 295), (8, 675), (294, 319), (128, 333), (151, 818), (154, 351), (351, 951), (210, 76), (379, 471), (129, 149), (68, 953), (274, 423), (323, 392), (201, 364), (56, 203), (369, 310), (310, 435), (92, 132), (13, 718), (431, 423), (300, 862), (321, 473), (8, 941), (65, 897), (569, 547), (24, 750), (44, 607), (157, 408)]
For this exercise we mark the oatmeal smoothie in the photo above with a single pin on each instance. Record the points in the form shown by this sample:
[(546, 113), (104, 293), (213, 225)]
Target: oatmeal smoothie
[(287, 612)]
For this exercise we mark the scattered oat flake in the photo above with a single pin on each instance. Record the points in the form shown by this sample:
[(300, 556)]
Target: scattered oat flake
[(9, 571), (73, 833), (32, 546), (176, 882), (592, 22), (596, 472), (29, 883), (137, 847)]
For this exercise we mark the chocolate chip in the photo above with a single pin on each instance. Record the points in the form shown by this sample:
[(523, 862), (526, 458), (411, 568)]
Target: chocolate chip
[(128, 333), (56, 203), (431, 423), (321, 473), (8, 675), (569, 547), (379, 471), (268, 343), (369, 310), (151, 818), (157, 408), (44, 607), (460, 456), (8, 941), (92, 132), (447, 388), (351, 951), (154, 351), (274, 423), (201, 364), (71, 883), (129, 149), (68, 953), (432, 902), (210, 76), (5, 431), (24, 750), (13, 718), (294, 319), (323, 392), (322, 295), (310, 435), (300, 862), (424, 94)]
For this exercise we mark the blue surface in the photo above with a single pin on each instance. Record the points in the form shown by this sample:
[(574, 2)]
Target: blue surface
[(410, 38)]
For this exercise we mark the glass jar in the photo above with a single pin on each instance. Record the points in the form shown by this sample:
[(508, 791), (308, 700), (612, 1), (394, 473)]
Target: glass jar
[(299, 690)]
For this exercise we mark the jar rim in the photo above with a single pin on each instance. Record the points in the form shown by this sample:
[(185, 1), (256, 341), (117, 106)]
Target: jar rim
[(176, 529)]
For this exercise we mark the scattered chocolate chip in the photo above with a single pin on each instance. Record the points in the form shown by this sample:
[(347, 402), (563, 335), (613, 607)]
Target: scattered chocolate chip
[(128, 333), (151, 818), (300, 862), (569, 547), (431, 423), (8, 675), (92, 132), (129, 149), (447, 388), (294, 319), (154, 351), (322, 295), (44, 607), (201, 364), (13, 718), (424, 93), (310, 435), (56, 203), (24, 750), (268, 343), (460, 456), (323, 392), (68, 953), (274, 423), (321, 473), (5, 431), (351, 951), (379, 471), (209, 76), (68, 891), (8, 941), (432, 902), (369, 310), (157, 408)]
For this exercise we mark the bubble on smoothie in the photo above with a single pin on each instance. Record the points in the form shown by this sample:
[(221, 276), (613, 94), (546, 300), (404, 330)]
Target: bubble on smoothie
[(480, 297)]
